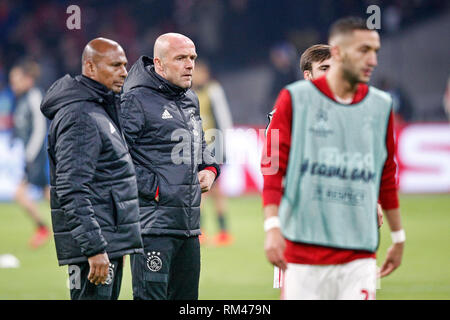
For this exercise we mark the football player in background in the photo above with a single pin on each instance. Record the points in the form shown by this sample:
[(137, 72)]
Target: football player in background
[(216, 115), (30, 126)]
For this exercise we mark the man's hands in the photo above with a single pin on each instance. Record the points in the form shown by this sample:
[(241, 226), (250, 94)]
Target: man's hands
[(99, 268), (206, 179), (393, 259), (274, 243), (274, 247), (395, 252)]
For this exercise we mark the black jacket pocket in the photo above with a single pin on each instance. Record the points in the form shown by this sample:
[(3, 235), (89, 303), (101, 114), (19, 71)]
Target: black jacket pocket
[(147, 182)]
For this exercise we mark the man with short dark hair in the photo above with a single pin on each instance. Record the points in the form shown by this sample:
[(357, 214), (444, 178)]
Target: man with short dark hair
[(162, 124), (321, 226), (315, 61), (94, 200)]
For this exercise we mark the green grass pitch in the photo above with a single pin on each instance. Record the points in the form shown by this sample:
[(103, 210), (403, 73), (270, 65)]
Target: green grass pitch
[(241, 271)]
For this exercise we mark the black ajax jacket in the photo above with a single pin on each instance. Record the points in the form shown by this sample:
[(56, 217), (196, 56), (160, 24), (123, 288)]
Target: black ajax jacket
[(163, 129), (94, 200)]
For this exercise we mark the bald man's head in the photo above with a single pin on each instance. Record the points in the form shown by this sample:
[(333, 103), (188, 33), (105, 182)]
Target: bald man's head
[(174, 57), (104, 60), (166, 41)]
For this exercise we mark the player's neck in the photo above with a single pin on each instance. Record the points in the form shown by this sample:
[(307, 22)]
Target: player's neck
[(339, 85)]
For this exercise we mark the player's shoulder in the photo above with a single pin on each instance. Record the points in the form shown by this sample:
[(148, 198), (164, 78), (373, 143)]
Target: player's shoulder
[(300, 85), (301, 91), (380, 95)]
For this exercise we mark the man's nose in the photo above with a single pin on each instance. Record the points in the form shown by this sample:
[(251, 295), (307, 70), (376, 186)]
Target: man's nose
[(123, 72), (189, 64), (373, 60)]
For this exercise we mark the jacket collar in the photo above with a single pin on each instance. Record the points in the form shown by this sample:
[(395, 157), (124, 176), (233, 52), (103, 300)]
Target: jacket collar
[(165, 86), (105, 94)]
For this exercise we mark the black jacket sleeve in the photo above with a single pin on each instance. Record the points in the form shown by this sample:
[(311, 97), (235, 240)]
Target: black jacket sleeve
[(132, 118), (77, 149)]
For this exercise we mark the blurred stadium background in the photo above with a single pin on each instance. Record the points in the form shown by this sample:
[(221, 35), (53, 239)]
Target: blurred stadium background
[(253, 48)]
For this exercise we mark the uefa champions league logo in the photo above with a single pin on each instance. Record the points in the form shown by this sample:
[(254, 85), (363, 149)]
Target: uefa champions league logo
[(321, 128)]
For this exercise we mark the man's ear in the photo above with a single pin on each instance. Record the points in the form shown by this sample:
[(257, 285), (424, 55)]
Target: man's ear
[(307, 75), (158, 65), (336, 53), (90, 68)]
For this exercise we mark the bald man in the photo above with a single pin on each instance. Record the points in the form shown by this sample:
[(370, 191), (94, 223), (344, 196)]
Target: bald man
[(161, 120), (94, 199)]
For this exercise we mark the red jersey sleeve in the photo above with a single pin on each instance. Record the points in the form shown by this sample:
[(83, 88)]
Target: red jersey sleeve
[(212, 169), (276, 149), (388, 197)]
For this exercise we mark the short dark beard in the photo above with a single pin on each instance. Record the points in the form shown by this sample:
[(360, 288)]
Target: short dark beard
[(349, 75)]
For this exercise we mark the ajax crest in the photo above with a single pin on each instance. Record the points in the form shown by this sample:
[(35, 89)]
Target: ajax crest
[(110, 277), (154, 262)]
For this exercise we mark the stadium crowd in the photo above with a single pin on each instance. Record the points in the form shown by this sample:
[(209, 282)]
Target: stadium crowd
[(222, 30)]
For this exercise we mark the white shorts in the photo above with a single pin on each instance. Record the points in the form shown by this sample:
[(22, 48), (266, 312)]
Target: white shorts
[(356, 280)]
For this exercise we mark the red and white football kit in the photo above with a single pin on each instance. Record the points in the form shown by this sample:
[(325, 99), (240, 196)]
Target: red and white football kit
[(300, 254)]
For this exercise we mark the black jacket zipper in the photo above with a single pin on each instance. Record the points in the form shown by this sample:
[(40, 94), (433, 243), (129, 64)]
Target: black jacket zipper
[(192, 158)]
